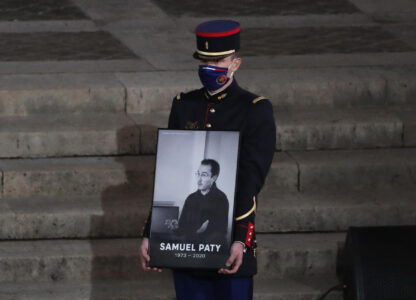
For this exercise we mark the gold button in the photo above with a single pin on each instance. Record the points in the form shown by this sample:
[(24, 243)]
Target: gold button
[(250, 233), (249, 239), (209, 125), (251, 227), (212, 110)]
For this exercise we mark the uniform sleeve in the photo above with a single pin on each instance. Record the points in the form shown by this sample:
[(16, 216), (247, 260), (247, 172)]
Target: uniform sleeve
[(256, 155), (172, 124)]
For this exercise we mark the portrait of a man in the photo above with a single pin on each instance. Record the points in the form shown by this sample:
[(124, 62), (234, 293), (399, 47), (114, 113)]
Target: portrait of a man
[(204, 216), (193, 200)]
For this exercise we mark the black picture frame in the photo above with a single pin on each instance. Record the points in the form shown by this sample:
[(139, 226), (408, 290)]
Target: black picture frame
[(193, 198)]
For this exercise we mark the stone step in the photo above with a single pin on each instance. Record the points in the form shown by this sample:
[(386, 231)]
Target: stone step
[(340, 170), (157, 289), (279, 255), (339, 129), (115, 134), (153, 91), (68, 135), (100, 176), (297, 289), (119, 215), (123, 215), (357, 170), (50, 135), (286, 255), (60, 93), (320, 211), (160, 289)]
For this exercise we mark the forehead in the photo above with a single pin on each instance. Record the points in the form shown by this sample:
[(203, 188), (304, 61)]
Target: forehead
[(221, 60), (205, 168)]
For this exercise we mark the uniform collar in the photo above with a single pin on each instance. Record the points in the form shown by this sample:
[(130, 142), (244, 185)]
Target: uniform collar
[(223, 95)]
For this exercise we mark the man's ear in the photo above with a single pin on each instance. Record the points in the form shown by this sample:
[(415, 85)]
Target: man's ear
[(236, 64), (214, 177)]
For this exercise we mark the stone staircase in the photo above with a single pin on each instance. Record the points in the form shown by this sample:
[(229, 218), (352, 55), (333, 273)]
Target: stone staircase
[(78, 138)]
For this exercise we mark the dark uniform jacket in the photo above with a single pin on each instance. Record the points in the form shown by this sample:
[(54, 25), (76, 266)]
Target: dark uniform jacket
[(199, 208), (238, 110)]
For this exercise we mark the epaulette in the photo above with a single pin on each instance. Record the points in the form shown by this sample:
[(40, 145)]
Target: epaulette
[(258, 99)]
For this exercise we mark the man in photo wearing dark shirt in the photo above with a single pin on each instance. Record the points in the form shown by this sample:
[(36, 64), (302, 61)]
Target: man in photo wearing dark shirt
[(204, 216)]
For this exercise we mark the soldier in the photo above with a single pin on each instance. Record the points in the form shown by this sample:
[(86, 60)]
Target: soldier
[(221, 104)]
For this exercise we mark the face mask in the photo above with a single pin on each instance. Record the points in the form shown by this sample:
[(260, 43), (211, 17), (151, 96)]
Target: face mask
[(213, 77)]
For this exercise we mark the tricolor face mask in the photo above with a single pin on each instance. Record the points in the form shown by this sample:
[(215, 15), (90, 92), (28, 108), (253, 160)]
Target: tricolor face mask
[(213, 77)]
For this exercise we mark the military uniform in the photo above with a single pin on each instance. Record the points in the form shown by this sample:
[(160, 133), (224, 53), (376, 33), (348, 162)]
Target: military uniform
[(238, 110), (232, 109)]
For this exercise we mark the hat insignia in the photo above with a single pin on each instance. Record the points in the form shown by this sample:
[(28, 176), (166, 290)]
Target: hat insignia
[(206, 45)]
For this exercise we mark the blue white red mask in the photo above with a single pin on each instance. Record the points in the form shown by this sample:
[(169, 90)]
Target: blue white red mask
[(213, 77)]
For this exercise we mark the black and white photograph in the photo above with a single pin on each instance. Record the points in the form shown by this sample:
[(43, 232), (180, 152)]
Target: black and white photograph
[(193, 201)]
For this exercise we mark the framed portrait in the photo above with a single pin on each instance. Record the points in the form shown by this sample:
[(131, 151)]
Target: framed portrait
[(193, 198)]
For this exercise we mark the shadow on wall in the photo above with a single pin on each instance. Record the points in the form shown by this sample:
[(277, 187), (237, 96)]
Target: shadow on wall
[(124, 207)]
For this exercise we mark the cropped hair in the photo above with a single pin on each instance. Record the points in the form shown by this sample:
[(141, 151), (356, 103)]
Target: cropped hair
[(215, 167)]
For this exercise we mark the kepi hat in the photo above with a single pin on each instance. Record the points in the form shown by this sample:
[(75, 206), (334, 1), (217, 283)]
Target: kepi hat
[(217, 39)]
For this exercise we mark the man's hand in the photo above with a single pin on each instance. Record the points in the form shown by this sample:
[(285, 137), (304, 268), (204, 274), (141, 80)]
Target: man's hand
[(144, 257), (235, 260)]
